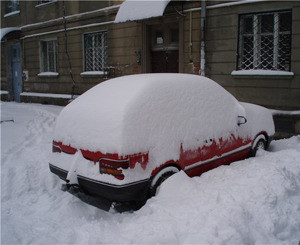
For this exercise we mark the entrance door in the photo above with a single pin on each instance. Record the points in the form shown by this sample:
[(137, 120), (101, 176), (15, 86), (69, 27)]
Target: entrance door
[(16, 71), (165, 61), (165, 48)]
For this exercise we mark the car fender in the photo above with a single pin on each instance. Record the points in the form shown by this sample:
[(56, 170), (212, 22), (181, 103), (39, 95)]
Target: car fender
[(259, 137)]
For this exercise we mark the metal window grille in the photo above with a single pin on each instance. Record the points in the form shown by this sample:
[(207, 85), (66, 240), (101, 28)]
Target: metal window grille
[(12, 6), (265, 41), (95, 51), (49, 55)]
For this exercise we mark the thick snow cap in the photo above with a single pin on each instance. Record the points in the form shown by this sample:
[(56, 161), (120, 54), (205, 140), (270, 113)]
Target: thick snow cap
[(142, 9), (155, 113)]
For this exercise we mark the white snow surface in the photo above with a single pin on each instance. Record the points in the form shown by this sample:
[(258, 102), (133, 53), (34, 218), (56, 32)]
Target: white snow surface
[(137, 10), (259, 119), (92, 73), (254, 201), (262, 73), (7, 30), (63, 96), (48, 74), (153, 113)]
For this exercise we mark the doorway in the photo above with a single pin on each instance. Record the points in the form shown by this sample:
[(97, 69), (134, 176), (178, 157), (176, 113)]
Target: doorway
[(164, 48), (15, 54)]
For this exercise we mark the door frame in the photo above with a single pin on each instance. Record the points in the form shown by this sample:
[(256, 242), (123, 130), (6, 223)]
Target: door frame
[(15, 92), (146, 40)]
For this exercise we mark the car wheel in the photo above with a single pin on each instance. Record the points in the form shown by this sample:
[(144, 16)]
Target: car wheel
[(160, 177), (259, 143)]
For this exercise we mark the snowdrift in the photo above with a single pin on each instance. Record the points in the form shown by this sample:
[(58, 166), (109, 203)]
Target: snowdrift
[(253, 201)]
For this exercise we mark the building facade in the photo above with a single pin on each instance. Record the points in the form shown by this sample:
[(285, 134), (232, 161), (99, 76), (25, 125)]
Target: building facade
[(51, 50)]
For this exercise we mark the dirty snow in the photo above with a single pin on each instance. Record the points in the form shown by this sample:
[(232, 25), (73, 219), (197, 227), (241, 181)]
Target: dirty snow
[(251, 201)]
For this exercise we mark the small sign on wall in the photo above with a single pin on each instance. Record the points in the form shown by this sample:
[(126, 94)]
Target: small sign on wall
[(135, 69), (196, 67)]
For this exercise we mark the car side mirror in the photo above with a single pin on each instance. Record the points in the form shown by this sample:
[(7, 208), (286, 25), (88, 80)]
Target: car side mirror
[(241, 120)]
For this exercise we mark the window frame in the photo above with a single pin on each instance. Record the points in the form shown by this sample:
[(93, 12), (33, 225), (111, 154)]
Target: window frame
[(16, 6), (41, 55), (256, 35), (84, 49), (49, 2)]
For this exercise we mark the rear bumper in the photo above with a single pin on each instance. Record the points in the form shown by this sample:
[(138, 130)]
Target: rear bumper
[(136, 191)]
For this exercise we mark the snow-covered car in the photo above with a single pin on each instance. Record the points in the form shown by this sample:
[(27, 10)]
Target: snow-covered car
[(122, 138)]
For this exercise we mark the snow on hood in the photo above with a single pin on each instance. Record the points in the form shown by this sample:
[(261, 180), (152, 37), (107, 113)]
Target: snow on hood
[(259, 119), (142, 9), (153, 113)]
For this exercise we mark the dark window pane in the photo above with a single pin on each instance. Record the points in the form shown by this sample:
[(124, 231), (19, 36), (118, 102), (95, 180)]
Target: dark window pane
[(284, 52), (247, 25), (285, 22), (95, 51), (49, 55), (175, 36), (266, 52), (267, 23), (247, 53)]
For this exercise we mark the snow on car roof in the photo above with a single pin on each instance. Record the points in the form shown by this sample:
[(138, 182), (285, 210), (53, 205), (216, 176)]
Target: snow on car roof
[(155, 113)]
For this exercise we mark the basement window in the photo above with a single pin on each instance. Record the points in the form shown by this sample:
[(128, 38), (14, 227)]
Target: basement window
[(265, 41), (95, 51), (48, 49)]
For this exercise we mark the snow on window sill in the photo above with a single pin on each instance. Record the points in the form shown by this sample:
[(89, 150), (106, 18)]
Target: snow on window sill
[(92, 73), (12, 13), (48, 74), (3, 92), (262, 73), (61, 96), (45, 4), (285, 113)]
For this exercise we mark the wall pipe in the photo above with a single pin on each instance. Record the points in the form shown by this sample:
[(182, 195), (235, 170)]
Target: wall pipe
[(202, 50)]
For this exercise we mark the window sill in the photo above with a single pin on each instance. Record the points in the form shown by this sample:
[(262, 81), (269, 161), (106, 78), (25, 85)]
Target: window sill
[(92, 73), (262, 74), (12, 13), (45, 4), (48, 74)]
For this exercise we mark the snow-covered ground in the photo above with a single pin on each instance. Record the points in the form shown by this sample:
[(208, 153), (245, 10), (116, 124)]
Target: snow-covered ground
[(252, 201)]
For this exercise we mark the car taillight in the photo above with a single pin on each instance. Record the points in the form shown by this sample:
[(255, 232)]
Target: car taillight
[(56, 148), (110, 166), (59, 147)]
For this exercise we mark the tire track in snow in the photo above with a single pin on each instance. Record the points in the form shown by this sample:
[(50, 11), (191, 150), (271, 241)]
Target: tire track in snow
[(19, 177)]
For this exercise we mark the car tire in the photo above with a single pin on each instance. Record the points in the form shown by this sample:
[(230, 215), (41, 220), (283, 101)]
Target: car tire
[(259, 143), (160, 177)]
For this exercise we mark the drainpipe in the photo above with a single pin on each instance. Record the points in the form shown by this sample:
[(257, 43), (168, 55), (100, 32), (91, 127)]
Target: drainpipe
[(202, 23), (191, 44)]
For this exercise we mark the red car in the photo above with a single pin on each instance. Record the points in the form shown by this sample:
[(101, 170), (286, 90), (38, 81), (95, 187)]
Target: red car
[(121, 139)]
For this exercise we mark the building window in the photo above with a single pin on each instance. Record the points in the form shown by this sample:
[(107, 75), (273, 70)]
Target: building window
[(45, 1), (95, 51), (265, 41), (49, 56), (12, 6)]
